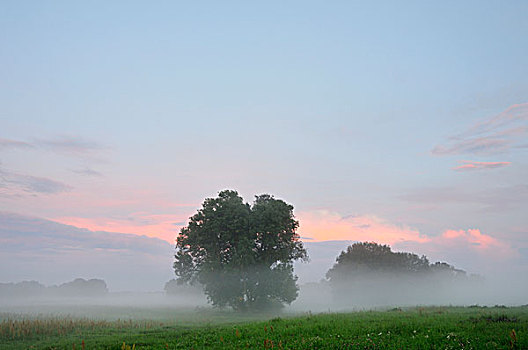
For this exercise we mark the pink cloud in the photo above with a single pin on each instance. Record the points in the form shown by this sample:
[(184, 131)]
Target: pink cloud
[(469, 165), (165, 227), (8, 143), (325, 226), (140, 211), (471, 236), (470, 249), (494, 135)]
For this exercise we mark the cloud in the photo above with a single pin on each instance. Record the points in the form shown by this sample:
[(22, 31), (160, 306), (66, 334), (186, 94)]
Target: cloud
[(465, 248), (479, 146), (325, 226), (87, 172), (163, 226), (469, 165), (44, 250), (472, 239), (498, 134), (39, 249), (70, 145), (470, 249), (493, 198), (12, 184), (7, 143), (66, 145)]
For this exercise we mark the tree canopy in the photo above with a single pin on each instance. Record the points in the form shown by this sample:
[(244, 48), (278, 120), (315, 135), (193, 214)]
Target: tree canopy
[(371, 259), (368, 273), (241, 254)]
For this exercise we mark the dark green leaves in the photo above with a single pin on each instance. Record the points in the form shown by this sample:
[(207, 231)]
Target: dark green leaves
[(242, 254)]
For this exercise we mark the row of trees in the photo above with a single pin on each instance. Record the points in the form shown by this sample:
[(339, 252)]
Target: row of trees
[(368, 274), (76, 288), (242, 255)]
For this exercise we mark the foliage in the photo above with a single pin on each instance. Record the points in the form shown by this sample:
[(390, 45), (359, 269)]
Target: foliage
[(371, 259), (21, 289), (372, 274), (414, 328), (242, 254), (81, 287)]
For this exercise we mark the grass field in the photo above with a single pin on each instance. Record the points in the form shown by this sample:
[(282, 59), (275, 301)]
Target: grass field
[(412, 328)]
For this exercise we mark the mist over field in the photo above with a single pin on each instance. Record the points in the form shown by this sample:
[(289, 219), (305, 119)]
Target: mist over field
[(397, 291), (138, 312), (372, 294), (133, 287)]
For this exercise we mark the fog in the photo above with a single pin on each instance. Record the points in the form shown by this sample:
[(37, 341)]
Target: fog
[(134, 277), (400, 291), (113, 306), (364, 293), (487, 284)]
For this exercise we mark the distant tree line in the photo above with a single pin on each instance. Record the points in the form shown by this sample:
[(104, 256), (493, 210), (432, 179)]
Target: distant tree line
[(76, 288), (369, 273)]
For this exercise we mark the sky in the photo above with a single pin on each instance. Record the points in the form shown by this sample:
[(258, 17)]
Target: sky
[(404, 123)]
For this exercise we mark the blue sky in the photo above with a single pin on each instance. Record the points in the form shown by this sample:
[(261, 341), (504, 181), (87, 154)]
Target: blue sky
[(124, 116)]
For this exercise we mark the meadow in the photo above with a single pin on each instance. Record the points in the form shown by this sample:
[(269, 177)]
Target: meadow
[(473, 327)]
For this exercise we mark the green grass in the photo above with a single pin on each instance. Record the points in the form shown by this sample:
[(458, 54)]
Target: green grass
[(413, 328)]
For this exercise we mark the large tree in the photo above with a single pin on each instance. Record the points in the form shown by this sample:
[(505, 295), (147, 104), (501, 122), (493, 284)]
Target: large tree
[(241, 254)]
